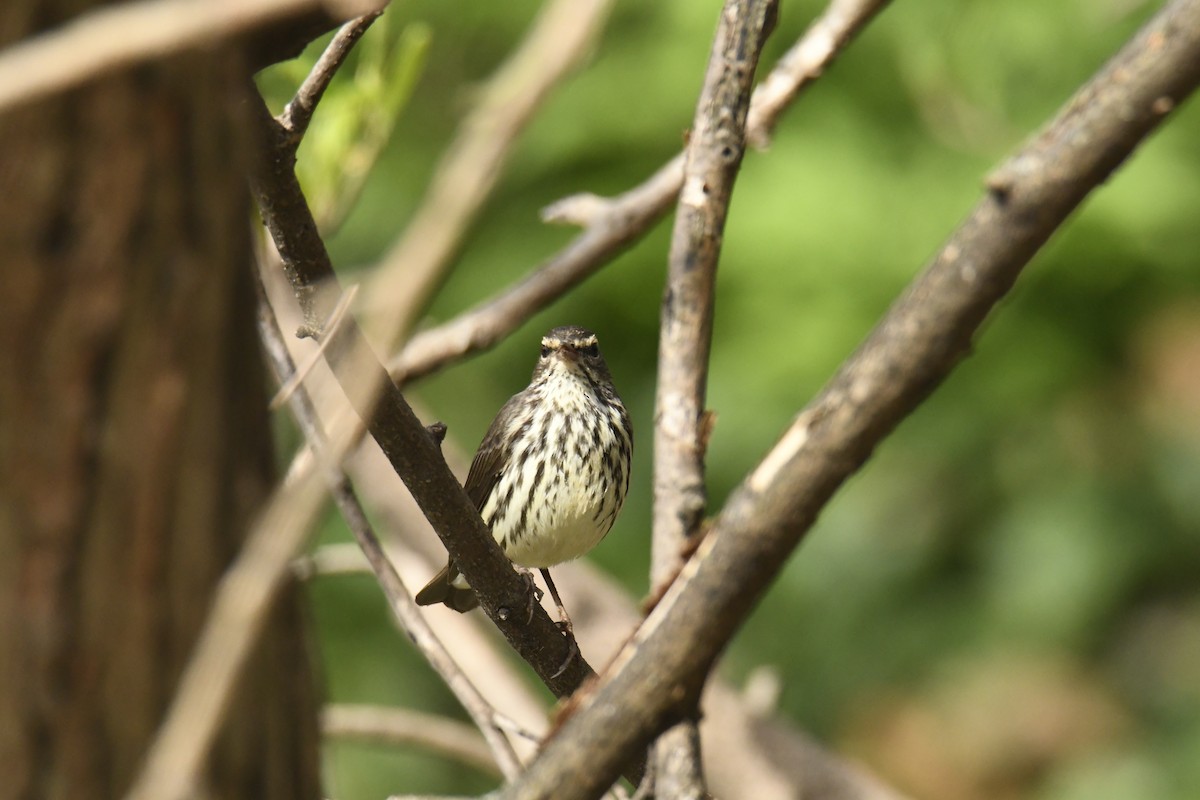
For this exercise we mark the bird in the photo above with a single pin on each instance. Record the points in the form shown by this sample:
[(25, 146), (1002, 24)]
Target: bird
[(552, 471)]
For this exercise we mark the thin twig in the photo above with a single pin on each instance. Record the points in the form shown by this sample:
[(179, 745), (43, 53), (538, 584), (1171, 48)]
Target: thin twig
[(804, 62), (121, 35), (713, 157), (331, 559), (925, 334), (557, 41), (297, 376), (402, 727), (614, 224), (297, 114)]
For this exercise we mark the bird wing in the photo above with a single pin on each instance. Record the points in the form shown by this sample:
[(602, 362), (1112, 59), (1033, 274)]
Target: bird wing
[(481, 479), (491, 455)]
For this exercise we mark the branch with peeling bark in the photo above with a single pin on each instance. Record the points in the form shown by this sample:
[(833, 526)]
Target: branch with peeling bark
[(925, 334), (712, 159)]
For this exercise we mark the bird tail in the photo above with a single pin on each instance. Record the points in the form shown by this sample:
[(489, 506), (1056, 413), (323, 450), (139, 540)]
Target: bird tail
[(450, 590)]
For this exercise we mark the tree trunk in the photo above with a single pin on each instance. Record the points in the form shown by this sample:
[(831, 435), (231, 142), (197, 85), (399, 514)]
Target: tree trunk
[(134, 441)]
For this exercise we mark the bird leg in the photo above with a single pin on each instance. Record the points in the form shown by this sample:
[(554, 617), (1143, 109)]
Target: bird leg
[(564, 624), (564, 620)]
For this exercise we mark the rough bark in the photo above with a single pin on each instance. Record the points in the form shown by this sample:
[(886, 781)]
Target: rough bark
[(134, 443)]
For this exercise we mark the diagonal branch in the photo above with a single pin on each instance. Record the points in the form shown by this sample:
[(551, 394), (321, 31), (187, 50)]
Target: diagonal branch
[(468, 171), (713, 157), (805, 61), (610, 225), (394, 426), (400, 601), (925, 334), (299, 111)]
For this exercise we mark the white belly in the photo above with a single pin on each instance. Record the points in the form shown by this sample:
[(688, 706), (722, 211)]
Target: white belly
[(556, 508)]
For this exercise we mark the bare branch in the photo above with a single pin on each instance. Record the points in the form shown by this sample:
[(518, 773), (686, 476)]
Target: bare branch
[(297, 376), (746, 754), (298, 113), (713, 157), (714, 154), (400, 601), (122, 35), (925, 334), (401, 727), (630, 215), (805, 62), (470, 167), (503, 595), (612, 225), (331, 559)]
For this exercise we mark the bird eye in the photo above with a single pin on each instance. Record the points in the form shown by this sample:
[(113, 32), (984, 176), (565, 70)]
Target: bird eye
[(592, 350), (545, 351)]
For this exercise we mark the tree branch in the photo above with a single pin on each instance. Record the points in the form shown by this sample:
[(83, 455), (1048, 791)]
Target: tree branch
[(400, 601), (503, 595), (924, 335), (400, 727), (378, 402), (805, 62), (713, 157), (297, 114), (613, 224), (469, 169)]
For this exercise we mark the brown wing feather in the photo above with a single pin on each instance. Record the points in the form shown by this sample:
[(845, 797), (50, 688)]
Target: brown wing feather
[(481, 479), (441, 589), (491, 455)]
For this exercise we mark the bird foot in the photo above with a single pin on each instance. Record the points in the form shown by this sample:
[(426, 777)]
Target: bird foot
[(572, 652), (534, 593)]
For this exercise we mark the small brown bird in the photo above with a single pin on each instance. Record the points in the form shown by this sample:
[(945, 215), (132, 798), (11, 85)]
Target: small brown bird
[(553, 469)]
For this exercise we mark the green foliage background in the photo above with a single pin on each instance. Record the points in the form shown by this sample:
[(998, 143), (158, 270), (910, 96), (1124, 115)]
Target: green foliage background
[(1005, 602)]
